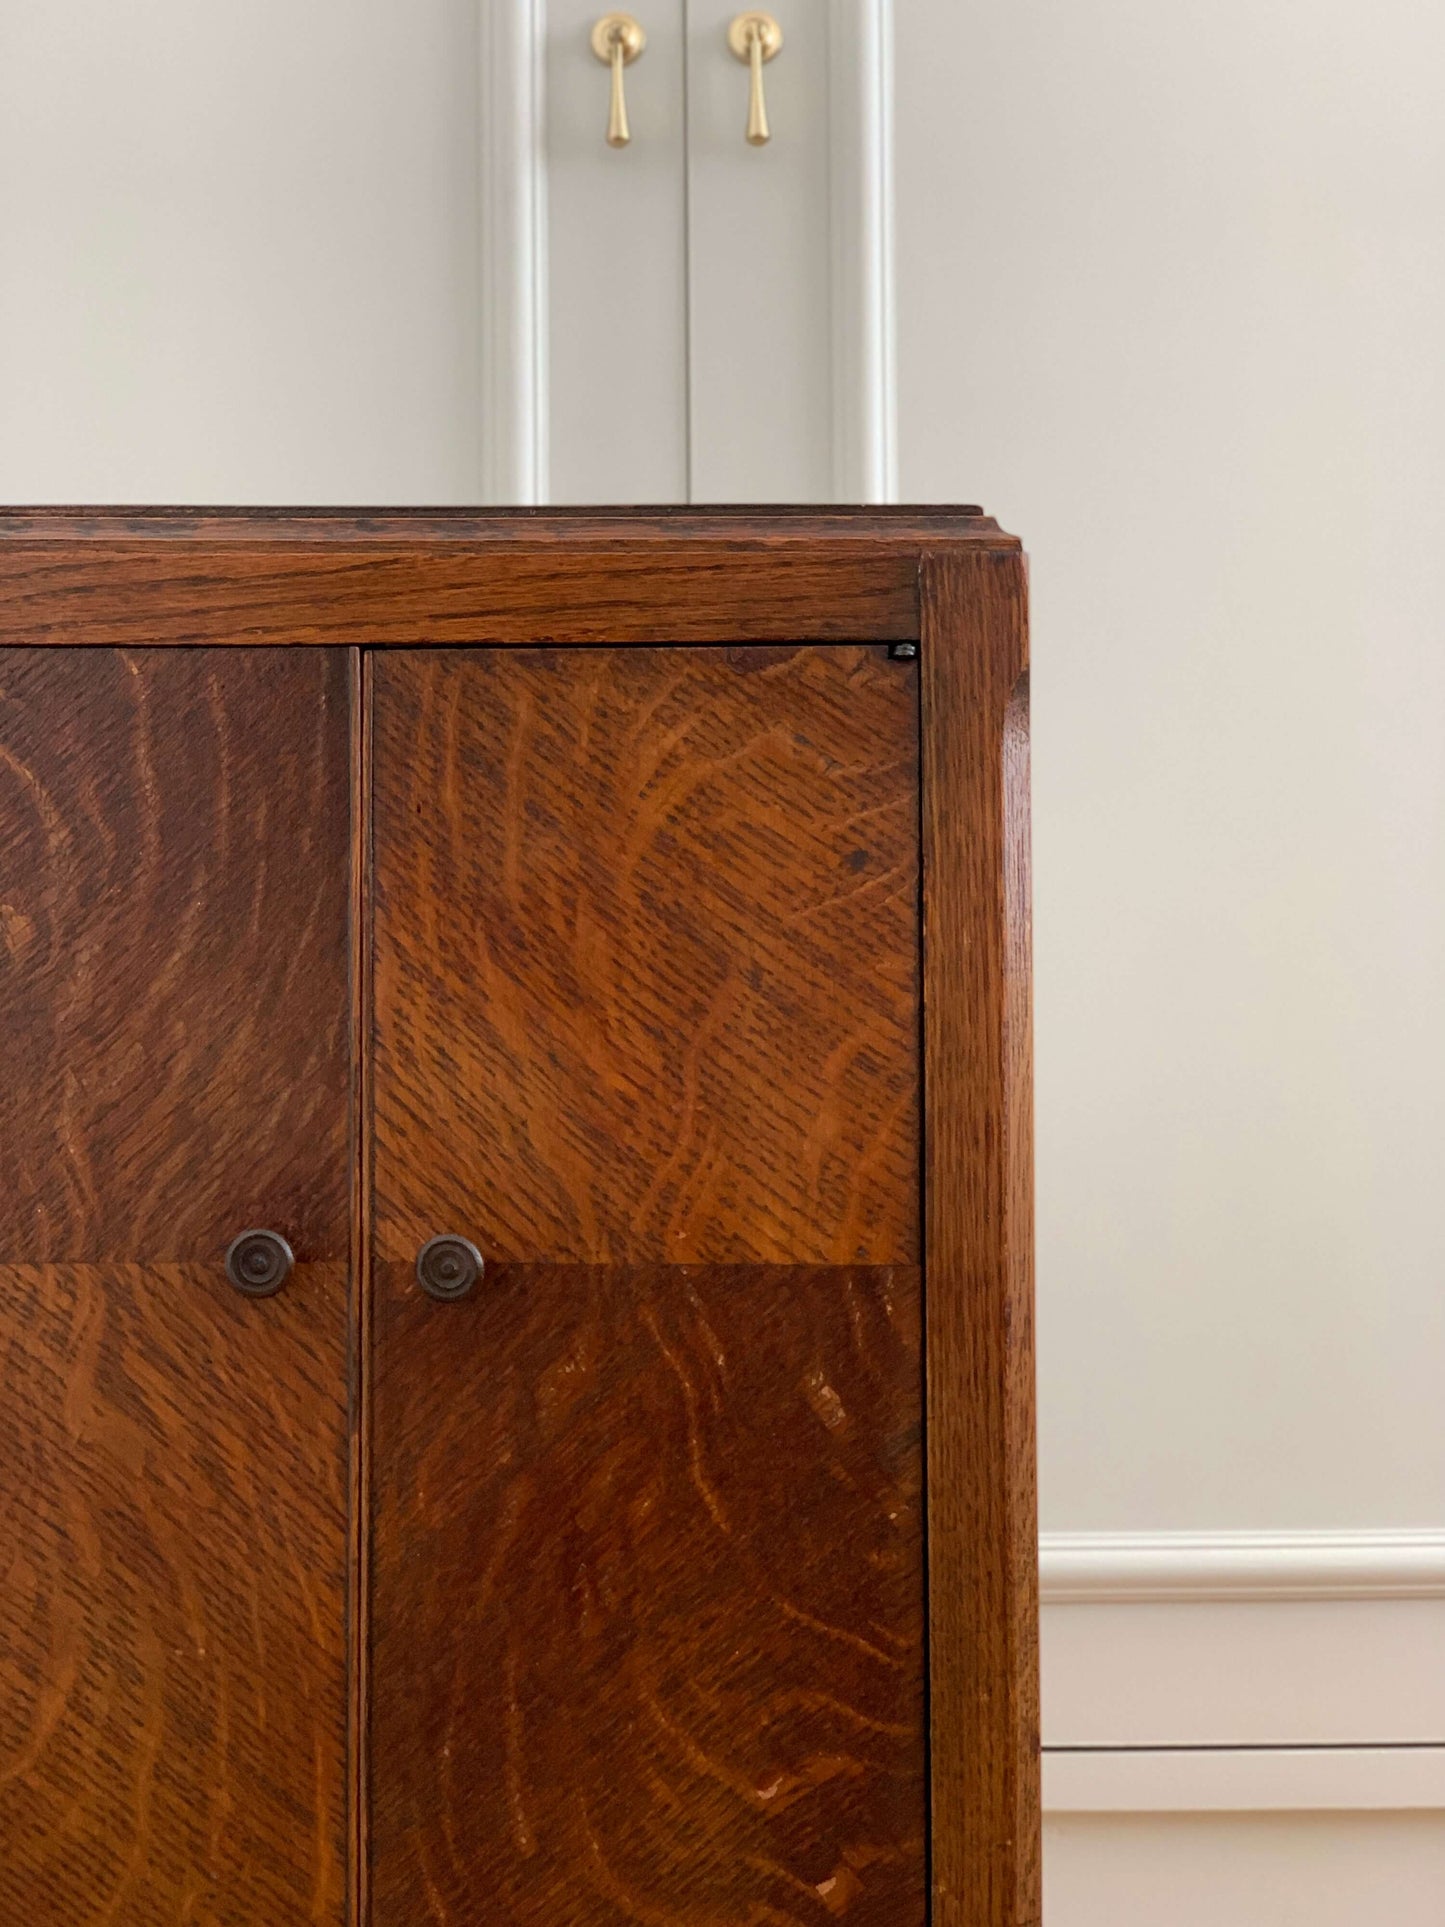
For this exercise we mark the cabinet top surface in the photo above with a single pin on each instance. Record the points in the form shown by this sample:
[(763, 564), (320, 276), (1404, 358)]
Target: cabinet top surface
[(903, 526)]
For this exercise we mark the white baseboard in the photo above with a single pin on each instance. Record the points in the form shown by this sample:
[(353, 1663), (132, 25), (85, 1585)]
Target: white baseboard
[(1137, 1567)]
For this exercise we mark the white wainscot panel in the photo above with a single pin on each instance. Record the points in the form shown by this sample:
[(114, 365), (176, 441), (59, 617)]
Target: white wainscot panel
[(1261, 1779), (1245, 1870), (1238, 1640)]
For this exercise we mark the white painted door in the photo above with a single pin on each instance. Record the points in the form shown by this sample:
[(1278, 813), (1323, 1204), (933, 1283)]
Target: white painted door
[(613, 363), (789, 266), (713, 318)]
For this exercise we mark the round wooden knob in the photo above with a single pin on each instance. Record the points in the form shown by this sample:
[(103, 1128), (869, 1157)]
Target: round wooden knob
[(259, 1263), (448, 1267)]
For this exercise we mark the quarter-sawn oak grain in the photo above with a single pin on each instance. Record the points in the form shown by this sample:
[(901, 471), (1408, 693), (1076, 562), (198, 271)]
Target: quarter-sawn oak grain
[(648, 1624), (982, 1520), (172, 1449), (646, 954), (647, 1010), (172, 1507)]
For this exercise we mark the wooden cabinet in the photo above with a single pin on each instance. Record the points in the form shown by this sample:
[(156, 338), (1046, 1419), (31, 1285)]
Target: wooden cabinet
[(641, 903)]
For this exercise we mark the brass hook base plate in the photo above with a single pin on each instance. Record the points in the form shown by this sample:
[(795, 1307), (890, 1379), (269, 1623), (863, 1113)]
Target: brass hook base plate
[(618, 30), (761, 25)]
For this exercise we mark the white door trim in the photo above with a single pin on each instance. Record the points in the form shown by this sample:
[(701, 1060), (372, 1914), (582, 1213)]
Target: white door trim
[(512, 265), (865, 380)]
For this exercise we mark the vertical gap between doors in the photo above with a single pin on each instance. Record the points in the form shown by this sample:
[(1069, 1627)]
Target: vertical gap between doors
[(688, 492), (916, 669), (358, 1591)]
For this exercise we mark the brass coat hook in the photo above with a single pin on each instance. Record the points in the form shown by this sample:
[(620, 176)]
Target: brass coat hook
[(618, 40), (755, 38)]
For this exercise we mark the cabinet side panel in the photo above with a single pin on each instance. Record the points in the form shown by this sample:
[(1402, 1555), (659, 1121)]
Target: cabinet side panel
[(173, 1000), (982, 1524)]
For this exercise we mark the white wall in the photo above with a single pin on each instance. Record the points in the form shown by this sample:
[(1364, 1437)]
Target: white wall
[(238, 252), (1172, 303)]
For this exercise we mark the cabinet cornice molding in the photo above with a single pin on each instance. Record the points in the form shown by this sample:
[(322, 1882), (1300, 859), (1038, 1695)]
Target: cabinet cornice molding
[(434, 578)]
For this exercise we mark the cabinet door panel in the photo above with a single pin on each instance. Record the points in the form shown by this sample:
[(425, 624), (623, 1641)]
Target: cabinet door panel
[(173, 973), (647, 1601), (646, 954)]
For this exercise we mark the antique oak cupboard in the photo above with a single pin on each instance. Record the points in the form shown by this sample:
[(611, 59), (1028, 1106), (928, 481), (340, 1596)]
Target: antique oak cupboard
[(515, 1308)]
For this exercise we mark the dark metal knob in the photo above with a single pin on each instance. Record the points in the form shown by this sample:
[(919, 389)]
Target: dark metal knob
[(259, 1262), (448, 1267)]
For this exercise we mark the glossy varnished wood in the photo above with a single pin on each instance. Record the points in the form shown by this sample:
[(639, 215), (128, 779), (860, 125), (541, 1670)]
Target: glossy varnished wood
[(171, 1724), (459, 577), (648, 1617), (173, 918), (982, 1529), (647, 1008), (646, 954), (173, 973)]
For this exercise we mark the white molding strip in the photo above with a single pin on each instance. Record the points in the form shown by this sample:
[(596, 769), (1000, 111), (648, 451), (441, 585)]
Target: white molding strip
[(513, 252), (1099, 1568), (860, 108), (1343, 1779)]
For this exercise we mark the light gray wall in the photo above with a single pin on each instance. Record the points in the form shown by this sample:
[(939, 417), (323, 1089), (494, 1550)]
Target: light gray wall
[(238, 252), (1172, 304)]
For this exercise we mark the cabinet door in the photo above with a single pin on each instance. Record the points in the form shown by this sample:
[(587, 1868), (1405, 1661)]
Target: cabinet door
[(173, 1512), (647, 1618)]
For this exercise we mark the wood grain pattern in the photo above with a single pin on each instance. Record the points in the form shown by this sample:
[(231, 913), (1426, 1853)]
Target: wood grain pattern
[(982, 1514), (649, 1599), (173, 936), (428, 577), (172, 1516), (647, 1008), (695, 1430), (647, 980), (172, 1513)]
